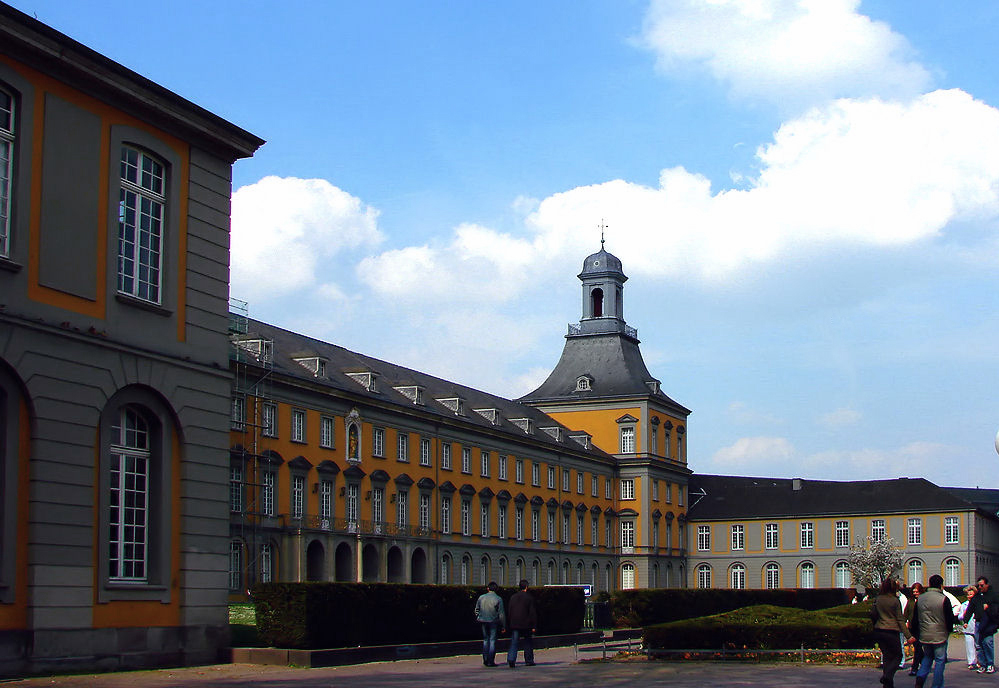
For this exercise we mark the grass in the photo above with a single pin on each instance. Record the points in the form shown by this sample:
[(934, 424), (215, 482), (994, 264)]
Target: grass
[(243, 625)]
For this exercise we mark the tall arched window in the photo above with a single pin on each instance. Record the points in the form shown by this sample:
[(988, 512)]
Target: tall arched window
[(703, 576), (914, 572), (597, 302), (952, 572), (772, 575), (128, 513), (466, 566), (445, 569), (807, 575), (737, 575), (842, 574), (141, 203), (627, 576)]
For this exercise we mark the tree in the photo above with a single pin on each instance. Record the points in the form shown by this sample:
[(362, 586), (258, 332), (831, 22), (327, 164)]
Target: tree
[(872, 560)]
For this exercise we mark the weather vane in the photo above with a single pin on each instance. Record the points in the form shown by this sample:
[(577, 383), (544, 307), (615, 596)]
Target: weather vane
[(603, 226)]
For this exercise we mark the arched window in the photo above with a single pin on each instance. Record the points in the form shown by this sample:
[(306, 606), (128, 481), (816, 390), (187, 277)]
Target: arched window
[(627, 576), (13, 460), (503, 578), (266, 563), (952, 572), (703, 576), (914, 572), (445, 569), (579, 573), (551, 573), (772, 575), (807, 575), (535, 572), (841, 572), (597, 302), (484, 567), (128, 515), (737, 575), (235, 566), (466, 566)]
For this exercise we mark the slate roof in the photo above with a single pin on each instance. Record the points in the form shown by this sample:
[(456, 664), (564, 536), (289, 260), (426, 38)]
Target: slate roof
[(289, 345), (725, 497)]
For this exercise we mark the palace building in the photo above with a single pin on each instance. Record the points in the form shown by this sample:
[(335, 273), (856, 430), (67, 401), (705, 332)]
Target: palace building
[(114, 378)]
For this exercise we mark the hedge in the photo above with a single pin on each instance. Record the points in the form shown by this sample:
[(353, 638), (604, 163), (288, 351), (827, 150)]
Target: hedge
[(762, 627), (329, 615), (633, 608)]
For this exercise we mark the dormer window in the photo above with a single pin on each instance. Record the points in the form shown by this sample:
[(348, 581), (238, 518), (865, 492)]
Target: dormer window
[(456, 404), (653, 386), (262, 349), (584, 383), (554, 431), (366, 379), (412, 392), (490, 414), (314, 364), (525, 424), (582, 438)]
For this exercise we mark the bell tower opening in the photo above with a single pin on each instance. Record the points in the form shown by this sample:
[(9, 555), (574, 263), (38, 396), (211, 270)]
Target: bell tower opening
[(597, 303)]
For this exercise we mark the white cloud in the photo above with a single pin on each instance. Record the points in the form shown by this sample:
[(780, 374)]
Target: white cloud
[(284, 228), (840, 418), (743, 414), (748, 452), (791, 51)]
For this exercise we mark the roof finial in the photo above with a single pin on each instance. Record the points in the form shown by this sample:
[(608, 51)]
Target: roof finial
[(603, 226)]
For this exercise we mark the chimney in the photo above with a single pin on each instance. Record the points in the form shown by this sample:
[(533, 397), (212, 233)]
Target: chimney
[(796, 484)]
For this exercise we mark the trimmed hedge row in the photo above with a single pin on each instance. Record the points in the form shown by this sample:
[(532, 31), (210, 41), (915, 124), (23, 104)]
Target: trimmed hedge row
[(329, 615), (763, 627), (633, 608)]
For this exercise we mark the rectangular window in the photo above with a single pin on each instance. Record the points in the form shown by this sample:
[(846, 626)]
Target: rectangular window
[(628, 440), (655, 490), (484, 520), (565, 479), (565, 529), (268, 493), (141, 199), (627, 488), (236, 489), (502, 467), (594, 486), (607, 488), (627, 537), (238, 411), (878, 529), (466, 460), (771, 538), (579, 529), (378, 442), (424, 451), (655, 533), (297, 425), (669, 492), (703, 538), (446, 456), (484, 461), (579, 482), (951, 534), (351, 509), (269, 421), (466, 517), (519, 471), (297, 496), (593, 531), (655, 440), (325, 501), (501, 522), (519, 523), (738, 537), (6, 168), (915, 532), (551, 528), (129, 499), (842, 533), (445, 516), (235, 566), (326, 436), (536, 474), (266, 564), (378, 505), (424, 511), (402, 449), (607, 533), (402, 508), (807, 535), (535, 526), (679, 495), (551, 477)]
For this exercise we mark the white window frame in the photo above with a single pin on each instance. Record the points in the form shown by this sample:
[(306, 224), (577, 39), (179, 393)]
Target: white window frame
[(842, 575), (771, 575), (914, 532), (807, 573), (327, 432), (842, 533), (628, 439), (580, 528), (579, 482), (807, 535), (771, 536), (484, 520), (655, 490), (351, 510), (7, 139), (501, 521), (551, 477), (536, 474), (519, 523), (952, 571), (402, 508), (565, 528), (914, 572), (297, 496), (627, 487), (484, 463), (952, 530), (627, 537), (551, 528), (446, 456), (446, 515), (627, 576), (535, 525), (594, 486), (378, 505), (738, 537), (879, 529), (565, 479), (703, 572), (326, 499), (142, 205), (267, 493), (297, 425), (703, 538), (129, 507), (424, 510), (669, 492), (238, 419), (518, 471), (378, 442), (737, 577), (235, 565), (266, 563), (236, 489), (502, 462), (425, 451), (402, 447), (269, 414), (466, 460)]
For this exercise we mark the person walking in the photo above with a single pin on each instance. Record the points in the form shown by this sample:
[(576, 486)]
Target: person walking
[(984, 606), (934, 615), (888, 623), (909, 611), (968, 629), (491, 616), (523, 622)]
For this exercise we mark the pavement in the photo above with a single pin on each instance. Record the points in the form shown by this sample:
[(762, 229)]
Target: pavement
[(565, 666)]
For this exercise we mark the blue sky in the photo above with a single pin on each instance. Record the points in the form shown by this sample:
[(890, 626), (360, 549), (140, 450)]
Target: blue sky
[(805, 196)]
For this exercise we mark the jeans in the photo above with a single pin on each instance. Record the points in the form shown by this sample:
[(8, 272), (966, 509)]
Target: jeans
[(489, 631), (934, 654), (518, 635), (986, 649)]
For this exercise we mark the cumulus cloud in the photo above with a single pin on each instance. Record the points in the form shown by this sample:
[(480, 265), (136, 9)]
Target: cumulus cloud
[(801, 51), (840, 418), (748, 452), (283, 229)]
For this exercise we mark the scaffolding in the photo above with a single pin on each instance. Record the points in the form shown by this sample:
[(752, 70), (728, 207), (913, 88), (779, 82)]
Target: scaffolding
[(251, 358)]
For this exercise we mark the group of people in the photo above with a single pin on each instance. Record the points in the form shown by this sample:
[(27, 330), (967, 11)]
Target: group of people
[(926, 623), (521, 618)]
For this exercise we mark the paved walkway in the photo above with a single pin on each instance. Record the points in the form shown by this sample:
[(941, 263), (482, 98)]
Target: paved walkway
[(555, 667)]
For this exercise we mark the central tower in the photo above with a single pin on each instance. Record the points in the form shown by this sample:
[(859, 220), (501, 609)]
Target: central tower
[(602, 386)]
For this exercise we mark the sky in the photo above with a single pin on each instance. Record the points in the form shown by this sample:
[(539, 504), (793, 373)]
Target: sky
[(804, 195)]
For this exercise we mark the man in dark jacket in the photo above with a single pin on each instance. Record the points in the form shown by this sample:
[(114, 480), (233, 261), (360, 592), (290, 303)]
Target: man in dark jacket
[(522, 620), (984, 606), (934, 616)]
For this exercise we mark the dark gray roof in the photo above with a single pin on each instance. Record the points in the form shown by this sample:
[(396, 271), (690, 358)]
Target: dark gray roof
[(724, 497), (288, 345), (986, 500), (615, 364), (601, 263)]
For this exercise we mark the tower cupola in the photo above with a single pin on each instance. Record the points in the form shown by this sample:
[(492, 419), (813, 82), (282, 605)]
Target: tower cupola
[(603, 281)]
